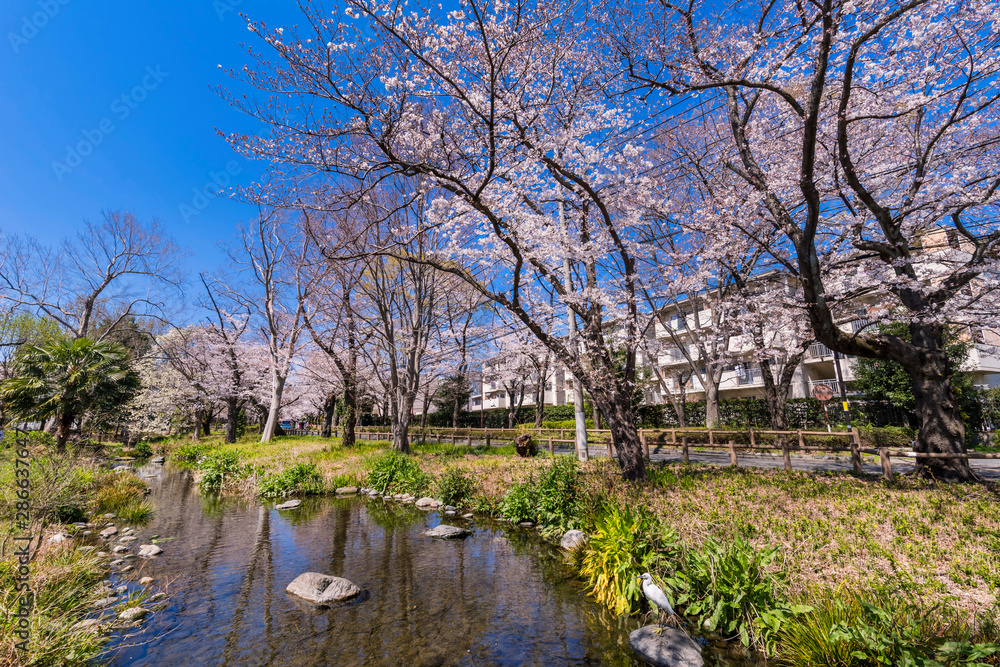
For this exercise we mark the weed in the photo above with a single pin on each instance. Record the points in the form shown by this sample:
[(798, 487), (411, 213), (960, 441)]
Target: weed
[(190, 453), (397, 473), (299, 479), (553, 499), (626, 542), (454, 487), (220, 467)]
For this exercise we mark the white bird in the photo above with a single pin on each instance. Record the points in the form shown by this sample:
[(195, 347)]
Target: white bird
[(656, 596)]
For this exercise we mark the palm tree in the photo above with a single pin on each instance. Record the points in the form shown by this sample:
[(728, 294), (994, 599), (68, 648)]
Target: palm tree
[(67, 379)]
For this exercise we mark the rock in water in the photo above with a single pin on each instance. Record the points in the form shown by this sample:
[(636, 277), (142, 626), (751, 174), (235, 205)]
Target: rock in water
[(149, 550), (346, 490), (110, 531), (573, 540), (447, 532), (426, 503), (157, 459), (322, 588), (669, 648), (132, 614), (290, 505)]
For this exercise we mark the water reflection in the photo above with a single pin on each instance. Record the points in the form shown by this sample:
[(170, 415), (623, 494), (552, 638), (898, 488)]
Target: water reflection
[(497, 598)]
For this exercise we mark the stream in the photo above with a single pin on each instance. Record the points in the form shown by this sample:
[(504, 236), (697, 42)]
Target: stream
[(499, 597)]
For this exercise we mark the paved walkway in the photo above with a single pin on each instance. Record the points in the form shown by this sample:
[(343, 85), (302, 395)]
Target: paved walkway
[(989, 468)]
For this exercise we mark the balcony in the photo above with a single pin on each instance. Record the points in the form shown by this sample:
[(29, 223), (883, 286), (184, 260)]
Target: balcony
[(748, 375), (818, 350)]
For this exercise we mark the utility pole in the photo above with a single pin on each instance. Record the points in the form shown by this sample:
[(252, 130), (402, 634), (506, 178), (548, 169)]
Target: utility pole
[(843, 388), (582, 452)]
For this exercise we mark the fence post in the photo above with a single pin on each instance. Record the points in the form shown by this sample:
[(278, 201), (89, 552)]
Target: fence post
[(552, 451), (673, 437), (883, 454), (732, 454), (562, 434), (684, 446), (802, 440), (437, 438), (452, 439), (785, 454), (487, 438), (753, 439), (855, 453), (607, 443), (711, 438), (469, 440), (645, 444)]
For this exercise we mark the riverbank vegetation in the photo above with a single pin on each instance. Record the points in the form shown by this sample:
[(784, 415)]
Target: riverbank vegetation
[(64, 488), (808, 568)]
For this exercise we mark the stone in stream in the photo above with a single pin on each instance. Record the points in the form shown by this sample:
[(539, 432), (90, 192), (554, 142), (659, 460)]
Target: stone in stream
[(450, 512), (149, 550), (467, 516), (145, 581), (450, 508), (109, 515), (665, 647), (446, 532), (526, 524), (132, 614), (89, 624), (426, 503), (157, 459), (104, 602), (344, 490), (59, 538), (289, 505), (322, 589), (573, 540), (127, 568), (110, 531), (120, 549)]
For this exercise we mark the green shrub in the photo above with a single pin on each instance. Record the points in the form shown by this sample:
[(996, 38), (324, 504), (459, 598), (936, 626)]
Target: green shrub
[(12, 438), (900, 437), (396, 473), (553, 499), (726, 587), (189, 453), (143, 449), (857, 629), (454, 487), (561, 424), (219, 467), (626, 542), (299, 479), (124, 494)]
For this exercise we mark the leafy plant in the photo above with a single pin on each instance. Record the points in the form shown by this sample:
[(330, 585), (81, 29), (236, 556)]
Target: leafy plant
[(861, 628), (299, 479), (218, 467), (627, 541), (190, 453), (143, 448), (397, 473), (726, 587), (455, 487), (553, 499)]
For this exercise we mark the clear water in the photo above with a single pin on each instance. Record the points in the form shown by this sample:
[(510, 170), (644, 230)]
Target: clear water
[(499, 597)]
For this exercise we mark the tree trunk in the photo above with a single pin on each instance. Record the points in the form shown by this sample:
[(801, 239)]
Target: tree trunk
[(597, 415), (196, 431), (329, 409), (350, 419), (617, 410), (63, 427), (711, 400), (277, 389), (454, 414), (206, 425), (232, 418), (941, 427)]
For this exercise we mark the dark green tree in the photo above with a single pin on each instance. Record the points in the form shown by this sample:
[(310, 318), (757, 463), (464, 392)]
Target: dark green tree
[(885, 380), (67, 380), (453, 393)]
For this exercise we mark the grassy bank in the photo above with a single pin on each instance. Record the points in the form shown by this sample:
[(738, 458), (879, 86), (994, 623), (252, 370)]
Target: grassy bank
[(66, 579), (810, 568)]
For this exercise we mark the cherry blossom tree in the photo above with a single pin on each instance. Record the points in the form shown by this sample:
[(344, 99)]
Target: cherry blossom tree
[(868, 133), (508, 116)]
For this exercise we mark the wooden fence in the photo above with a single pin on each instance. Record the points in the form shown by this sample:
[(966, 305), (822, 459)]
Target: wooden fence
[(682, 439)]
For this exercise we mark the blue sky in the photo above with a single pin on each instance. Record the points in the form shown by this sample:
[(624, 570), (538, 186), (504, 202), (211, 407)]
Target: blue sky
[(130, 84)]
